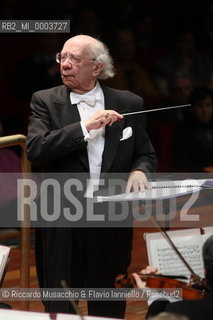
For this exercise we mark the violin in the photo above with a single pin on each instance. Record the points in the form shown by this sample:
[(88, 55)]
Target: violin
[(193, 290), (189, 291)]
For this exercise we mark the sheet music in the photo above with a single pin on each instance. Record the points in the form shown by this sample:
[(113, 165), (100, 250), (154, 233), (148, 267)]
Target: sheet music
[(27, 315), (63, 316), (160, 190), (23, 315), (163, 256), (208, 232), (4, 254)]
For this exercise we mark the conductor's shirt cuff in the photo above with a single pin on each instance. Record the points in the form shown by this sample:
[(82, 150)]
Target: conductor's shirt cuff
[(85, 132)]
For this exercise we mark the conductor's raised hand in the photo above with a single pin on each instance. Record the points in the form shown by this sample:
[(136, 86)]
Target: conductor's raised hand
[(102, 118)]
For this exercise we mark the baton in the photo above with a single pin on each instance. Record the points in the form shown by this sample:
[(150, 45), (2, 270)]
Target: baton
[(158, 109)]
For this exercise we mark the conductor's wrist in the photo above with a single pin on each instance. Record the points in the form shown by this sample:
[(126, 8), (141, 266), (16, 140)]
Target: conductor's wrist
[(85, 131), (87, 125)]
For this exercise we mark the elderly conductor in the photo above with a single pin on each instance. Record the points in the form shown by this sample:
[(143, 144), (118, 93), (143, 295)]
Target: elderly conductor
[(77, 127)]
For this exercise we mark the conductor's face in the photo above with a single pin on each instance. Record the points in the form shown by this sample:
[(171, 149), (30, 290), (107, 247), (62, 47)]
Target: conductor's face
[(79, 69)]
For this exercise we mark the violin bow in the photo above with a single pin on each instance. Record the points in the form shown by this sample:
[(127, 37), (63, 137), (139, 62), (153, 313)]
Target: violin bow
[(194, 276)]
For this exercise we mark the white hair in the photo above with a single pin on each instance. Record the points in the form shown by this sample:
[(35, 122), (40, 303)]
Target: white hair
[(102, 55)]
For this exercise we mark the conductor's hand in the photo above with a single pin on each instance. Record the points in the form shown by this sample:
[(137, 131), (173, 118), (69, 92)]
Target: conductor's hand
[(148, 270), (102, 118), (137, 181)]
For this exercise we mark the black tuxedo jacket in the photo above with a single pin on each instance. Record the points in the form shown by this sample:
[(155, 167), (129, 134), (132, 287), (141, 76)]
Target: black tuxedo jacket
[(56, 143)]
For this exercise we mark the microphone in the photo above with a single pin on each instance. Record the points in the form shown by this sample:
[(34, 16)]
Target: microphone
[(73, 303)]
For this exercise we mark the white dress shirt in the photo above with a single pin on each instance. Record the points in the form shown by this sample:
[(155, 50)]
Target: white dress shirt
[(94, 138)]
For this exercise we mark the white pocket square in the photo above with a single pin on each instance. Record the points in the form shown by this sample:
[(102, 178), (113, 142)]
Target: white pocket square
[(126, 134)]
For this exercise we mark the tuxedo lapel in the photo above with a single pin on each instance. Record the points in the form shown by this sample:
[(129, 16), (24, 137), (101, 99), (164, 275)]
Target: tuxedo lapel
[(67, 113), (112, 134)]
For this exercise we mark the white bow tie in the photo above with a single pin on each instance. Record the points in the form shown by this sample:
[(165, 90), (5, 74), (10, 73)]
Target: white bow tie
[(88, 98)]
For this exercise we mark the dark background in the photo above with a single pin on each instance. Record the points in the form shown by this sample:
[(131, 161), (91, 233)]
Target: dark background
[(22, 73)]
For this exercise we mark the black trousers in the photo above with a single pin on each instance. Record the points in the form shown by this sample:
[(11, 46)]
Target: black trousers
[(84, 258)]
